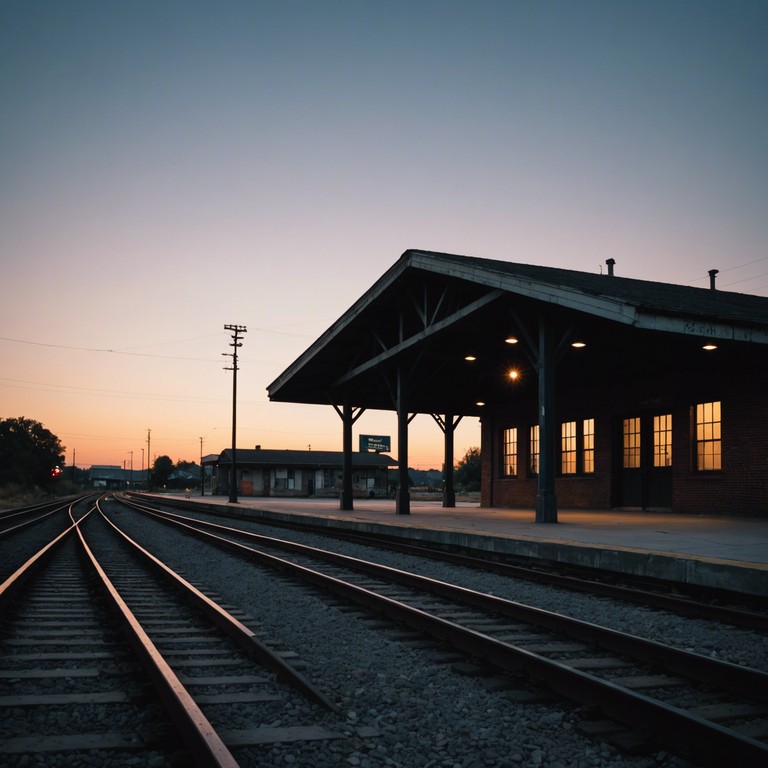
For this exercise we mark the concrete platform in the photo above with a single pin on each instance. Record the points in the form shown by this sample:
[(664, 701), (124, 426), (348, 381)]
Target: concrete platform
[(726, 552)]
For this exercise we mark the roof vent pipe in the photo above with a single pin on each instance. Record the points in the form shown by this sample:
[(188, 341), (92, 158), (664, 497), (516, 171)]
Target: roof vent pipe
[(610, 263), (712, 273), (258, 448)]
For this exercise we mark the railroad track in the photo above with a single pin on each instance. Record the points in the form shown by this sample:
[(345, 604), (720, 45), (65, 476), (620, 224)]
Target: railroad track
[(714, 712), (67, 662), (715, 605), (69, 681), (22, 530), (685, 600), (14, 520)]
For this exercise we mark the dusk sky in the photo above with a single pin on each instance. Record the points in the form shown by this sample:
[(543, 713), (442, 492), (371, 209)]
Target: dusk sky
[(167, 168)]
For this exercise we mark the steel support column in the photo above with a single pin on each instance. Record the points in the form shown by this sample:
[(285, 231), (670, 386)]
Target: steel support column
[(348, 417), (403, 499), (346, 475), (546, 500), (448, 425), (449, 494)]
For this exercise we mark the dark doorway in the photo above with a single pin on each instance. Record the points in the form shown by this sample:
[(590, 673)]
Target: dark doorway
[(645, 461)]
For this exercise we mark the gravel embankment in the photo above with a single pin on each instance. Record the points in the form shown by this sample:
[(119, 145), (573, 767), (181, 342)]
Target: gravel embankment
[(425, 713)]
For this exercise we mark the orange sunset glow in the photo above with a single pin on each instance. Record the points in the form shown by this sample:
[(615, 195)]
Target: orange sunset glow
[(168, 169)]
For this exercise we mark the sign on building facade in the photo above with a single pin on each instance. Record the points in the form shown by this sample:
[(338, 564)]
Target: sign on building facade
[(377, 443)]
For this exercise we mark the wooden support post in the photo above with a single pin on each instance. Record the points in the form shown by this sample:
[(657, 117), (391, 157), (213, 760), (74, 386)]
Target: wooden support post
[(449, 494), (448, 425), (403, 500), (546, 500), (346, 477)]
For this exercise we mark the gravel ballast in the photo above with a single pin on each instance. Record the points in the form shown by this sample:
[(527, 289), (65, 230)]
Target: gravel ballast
[(424, 713)]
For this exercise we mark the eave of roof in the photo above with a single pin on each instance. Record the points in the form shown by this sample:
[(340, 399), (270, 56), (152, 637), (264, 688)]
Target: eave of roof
[(330, 363), (621, 299)]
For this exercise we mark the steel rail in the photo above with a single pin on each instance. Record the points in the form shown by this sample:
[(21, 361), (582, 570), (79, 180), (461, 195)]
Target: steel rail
[(10, 587), (739, 679), (21, 575), (587, 583), (681, 605), (205, 745), (710, 742), (245, 638), (23, 523)]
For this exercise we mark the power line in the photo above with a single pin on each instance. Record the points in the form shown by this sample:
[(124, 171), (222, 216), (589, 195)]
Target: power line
[(131, 354), (731, 269), (44, 386), (746, 279), (102, 350), (66, 389)]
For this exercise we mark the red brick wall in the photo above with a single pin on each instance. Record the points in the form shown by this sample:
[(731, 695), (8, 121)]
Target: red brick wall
[(739, 381)]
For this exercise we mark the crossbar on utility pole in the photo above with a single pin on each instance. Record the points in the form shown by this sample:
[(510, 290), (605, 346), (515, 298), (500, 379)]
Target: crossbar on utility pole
[(236, 330)]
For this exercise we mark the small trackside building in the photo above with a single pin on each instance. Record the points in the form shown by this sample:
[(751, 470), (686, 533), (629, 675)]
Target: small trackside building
[(593, 390), (112, 477), (299, 473)]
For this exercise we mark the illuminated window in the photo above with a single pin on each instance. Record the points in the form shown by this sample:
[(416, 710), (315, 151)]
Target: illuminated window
[(708, 439), (533, 450), (568, 447), (588, 446), (510, 452), (662, 440), (631, 443)]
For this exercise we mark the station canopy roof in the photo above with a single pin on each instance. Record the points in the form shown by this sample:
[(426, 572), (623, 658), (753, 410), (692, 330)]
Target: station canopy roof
[(430, 312)]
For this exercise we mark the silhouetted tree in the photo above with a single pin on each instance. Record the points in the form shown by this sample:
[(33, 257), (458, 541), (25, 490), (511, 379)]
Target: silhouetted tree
[(467, 475), (30, 454), (161, 470)]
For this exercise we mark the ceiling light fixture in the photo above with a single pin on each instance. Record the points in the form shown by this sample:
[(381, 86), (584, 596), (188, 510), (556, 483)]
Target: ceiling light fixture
[(470, 358), (709, 347), (511, 340), (579, 344)]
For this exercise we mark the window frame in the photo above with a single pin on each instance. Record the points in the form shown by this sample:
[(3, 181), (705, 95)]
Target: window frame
[(569, 448), (662, 440), (707, 433), (534, 450), (582, 447), (509, 452), (587, 449), (631, 442)]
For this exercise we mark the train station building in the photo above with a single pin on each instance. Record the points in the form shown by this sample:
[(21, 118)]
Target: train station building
[(594, 391)]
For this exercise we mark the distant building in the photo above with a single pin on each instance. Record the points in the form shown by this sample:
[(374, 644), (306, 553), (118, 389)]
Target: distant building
[(299, 473), (185, 478), (115, 478)]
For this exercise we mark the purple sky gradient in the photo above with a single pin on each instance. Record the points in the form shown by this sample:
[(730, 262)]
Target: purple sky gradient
[(169, 167)]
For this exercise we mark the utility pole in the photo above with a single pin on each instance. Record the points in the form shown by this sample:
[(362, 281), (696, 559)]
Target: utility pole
[(149, 462), (236, 330), (202, 471)]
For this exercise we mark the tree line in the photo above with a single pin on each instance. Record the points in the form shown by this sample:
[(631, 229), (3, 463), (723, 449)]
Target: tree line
[(32, 457)]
